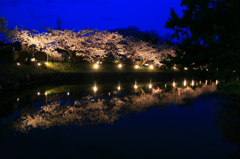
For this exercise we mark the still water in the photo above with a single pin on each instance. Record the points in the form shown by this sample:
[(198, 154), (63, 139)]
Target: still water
[(171, 119)]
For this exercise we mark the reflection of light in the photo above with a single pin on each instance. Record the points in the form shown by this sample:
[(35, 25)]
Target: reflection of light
[(151, 66), (185, 82), (119, 88), (136, 66), (38, 93), (146, 64), (120, 65), (18, 64), (96, 65), (192, 82), (18, 99), (45, 93), (95, 89), (150, 85), (39, 64), (135, 86), (206, 82), (68, 93)]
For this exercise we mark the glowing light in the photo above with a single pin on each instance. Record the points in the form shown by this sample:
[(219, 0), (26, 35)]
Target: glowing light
[(33, 59), (38, 93), (96, 66), (100, 62), (185, 83), (119, 88), (46, 63), (45, 93), (120, 65), (217, 82), (150, 86), (185, 68), (68, 93), (179, 93), (206, 69), (95, 88), (69, 57), (136, 66), (151, 66), (200, 82), (192, 82), (135, 86), (174, 68), (146, 64), (174, 84), (165, 85), (18, 99), (18, 64), (39, 64), (206, 82)]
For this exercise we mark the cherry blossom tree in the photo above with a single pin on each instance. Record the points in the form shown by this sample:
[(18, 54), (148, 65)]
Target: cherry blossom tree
[(35, 41)]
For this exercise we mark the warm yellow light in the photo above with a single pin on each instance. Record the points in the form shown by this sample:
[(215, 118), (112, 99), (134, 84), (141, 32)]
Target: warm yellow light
[(95, 89), (46, 63), (45, 93), (136, 66), (135, 86), (185, 83), (96, 66), (120, 65), (18, 64), (174, 84), (174, 68), (185, 68), (151, 66), (38, 93), (39, 64), (150, 85), (216, 82), (192, 82), (119, 88)]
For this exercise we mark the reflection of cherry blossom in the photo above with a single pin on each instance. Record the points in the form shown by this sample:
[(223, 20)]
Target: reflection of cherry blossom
[(84, 112)]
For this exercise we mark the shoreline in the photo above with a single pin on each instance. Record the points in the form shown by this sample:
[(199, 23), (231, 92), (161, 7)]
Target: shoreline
[(85, 78)]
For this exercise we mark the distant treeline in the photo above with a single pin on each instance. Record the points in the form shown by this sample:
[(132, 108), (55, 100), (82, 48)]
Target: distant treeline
[(148, 36)]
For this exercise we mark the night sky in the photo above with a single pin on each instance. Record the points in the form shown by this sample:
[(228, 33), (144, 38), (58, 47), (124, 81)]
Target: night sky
[(80, 14)]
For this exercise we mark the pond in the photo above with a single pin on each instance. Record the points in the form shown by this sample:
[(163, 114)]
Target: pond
[(167, 119)]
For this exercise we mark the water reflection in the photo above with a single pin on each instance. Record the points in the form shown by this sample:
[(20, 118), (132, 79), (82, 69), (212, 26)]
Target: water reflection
[(228, 113), (90, 110)]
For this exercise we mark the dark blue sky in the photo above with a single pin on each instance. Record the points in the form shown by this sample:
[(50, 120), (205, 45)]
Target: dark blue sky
[(80, 14)]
